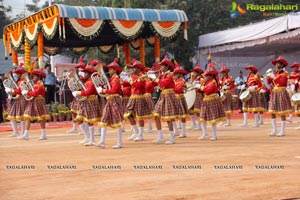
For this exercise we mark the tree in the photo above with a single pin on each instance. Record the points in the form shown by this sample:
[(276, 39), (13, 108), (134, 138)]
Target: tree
[(4, 19)]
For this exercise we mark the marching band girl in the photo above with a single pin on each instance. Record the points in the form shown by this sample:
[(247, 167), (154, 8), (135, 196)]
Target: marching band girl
[(17, 107), (88, 110), (179, 90), (280, 103), (166, 107), (212, 110), (137, 107), (196, 78), (253, 84), (35, 109), (112, 113), (227, 86)]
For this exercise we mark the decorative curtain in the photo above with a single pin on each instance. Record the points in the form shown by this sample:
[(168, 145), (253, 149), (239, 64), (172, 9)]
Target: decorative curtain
[(166, 29), (127, 29), (31, 33), (86, 29), (49, 27)]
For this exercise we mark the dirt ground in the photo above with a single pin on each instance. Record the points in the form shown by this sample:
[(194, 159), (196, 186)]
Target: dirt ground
[(250, 151)]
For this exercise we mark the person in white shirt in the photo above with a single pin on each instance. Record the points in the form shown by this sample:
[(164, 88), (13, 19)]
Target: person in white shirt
[(240, 83)]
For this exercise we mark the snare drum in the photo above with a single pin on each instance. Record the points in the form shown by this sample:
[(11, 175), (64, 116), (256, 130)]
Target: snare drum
[(295, 99), (245, 96)]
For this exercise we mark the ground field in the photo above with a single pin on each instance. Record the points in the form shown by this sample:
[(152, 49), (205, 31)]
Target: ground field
[(250, 151)]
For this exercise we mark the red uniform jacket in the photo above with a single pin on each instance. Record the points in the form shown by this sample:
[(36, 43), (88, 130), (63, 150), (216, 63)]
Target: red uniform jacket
[(138, 84), (18, 90), (280, 79), (179, 86), (38, 89), (210, 87), (90, 88), (253, 80), (227, 80), (166, 81), (115, 84), (150, 85), (126, 88)]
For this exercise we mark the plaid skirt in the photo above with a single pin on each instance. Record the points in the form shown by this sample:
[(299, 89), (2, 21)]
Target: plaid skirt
[(212, 110), (88, 110), (36, 110), (150, 102), (112, 115), (182, 107), (16, 109), (197, 105), (102, 103), (280, 102), (166, 106), (138, 107), (73, 105), (228, 104), (125, 101), (254, 104), (264, 105)]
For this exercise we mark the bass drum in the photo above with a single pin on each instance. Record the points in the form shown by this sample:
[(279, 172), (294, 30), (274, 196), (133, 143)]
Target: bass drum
[(190, 95), (295, 99), (245, 96)]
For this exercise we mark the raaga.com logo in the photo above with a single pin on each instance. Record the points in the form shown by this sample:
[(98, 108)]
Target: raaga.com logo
[(266, 9), (236, 10)]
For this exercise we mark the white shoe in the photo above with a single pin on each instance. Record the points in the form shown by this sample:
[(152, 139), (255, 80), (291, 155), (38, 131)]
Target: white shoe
[(89, 144), (244, 125), (227, 124), (213, 139), (117, 146), (182, 136), (132, 137), (203, 137), (255, 126), (170, 142), (261, 122), (176, 134), (198, 128), (14, 135), (72, 131), (158, 140), (42, 138), (281, 134), (101, 145), (23, 138), (193, 127), (149, 131), (84, 141), (222, 124), (97, 134), (139, 138), (273, 133)]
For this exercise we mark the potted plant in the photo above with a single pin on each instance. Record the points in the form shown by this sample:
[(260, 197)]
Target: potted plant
[(68, 115), (54, 117), (54, 112), (61, 108)]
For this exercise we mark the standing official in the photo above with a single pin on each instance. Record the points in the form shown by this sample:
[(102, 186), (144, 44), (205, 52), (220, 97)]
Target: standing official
[(50, 82)]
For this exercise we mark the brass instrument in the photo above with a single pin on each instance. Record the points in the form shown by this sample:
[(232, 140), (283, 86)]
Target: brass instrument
[(268, 72), (75, 84), (99, 78), (26, 85), (10, 83)]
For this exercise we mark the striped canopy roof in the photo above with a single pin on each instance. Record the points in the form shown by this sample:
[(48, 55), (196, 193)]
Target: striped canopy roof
[(106, 13), (65, 26)]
